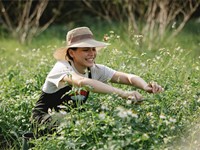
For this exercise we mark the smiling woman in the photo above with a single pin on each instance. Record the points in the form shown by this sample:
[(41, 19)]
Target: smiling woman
[(76, 67), (82, 57)]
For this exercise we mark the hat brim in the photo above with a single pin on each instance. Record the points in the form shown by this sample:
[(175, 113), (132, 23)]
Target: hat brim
[(88, 43), (60, 54)]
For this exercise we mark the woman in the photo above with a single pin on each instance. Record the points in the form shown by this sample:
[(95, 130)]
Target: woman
[(76, 67)]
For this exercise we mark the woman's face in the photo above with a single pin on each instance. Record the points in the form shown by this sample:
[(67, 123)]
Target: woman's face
[(83, 57)]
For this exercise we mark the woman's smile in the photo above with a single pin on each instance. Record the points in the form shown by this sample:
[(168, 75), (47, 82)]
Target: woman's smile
[(90, 60), (83, 58)]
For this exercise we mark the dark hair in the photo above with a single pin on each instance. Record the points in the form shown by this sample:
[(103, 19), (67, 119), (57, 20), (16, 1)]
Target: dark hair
[(68, 55)]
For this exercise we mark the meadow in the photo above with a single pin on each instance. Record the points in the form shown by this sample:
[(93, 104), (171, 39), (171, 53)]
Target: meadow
[(169, 120)]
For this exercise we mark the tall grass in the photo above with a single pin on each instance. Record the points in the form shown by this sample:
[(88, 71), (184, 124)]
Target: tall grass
[(109, 122)]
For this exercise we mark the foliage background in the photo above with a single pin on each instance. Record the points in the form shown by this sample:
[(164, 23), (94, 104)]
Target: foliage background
[(164, 121)]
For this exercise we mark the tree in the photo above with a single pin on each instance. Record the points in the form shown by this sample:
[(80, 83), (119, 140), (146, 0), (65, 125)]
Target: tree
[(27, 15), (164, 14), (150, 18)]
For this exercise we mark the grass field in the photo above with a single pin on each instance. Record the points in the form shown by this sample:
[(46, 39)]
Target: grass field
[(164, 121)]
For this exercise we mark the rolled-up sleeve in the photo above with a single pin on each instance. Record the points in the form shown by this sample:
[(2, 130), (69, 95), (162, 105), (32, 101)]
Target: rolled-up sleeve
[(103, 73), (53, 81), (57, 77)]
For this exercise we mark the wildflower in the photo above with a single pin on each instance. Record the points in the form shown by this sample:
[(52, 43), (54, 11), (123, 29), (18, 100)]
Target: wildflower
[(111, 32), (149, 114), (63, 112), (172, 120), (172, 128), (185, 103), (143, 64), (78, 122), (29, 81), (137, 43), (104, 107), (50, 111), (129, 102), (143, 54), (138, 36), (102, 116), (145, 137), (61, 137), (157, 57), (132, 114), (174, 25), (124, 113), (197, 68), (106, 37), (162, 117)]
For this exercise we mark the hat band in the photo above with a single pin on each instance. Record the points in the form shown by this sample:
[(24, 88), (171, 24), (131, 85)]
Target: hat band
[(80, 37)]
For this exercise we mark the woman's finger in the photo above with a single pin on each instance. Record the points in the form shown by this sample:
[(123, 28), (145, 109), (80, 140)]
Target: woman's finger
[(155, 87), (138, 96)]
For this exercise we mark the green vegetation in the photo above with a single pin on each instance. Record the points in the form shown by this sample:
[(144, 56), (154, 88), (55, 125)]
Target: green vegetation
[(109, 122)]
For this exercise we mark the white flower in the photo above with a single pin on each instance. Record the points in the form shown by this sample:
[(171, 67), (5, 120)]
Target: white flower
[(130, 113), (172, 120), (29, 81), (162, 117), (78, 122), (129, 102), (138, 36), (174, 25), (149, 114), (185, 103), (197, 68), (111, 32), (102, 116), (157, 57), (63, 112), (104, 107), (143, 54), (143, 64), (123, 113)]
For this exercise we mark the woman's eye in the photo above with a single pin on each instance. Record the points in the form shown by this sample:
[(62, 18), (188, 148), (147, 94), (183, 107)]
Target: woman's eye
[(88, 49)]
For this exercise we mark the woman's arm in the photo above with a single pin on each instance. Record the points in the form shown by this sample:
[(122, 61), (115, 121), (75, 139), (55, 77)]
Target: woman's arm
[(131, 79), (98, 87)]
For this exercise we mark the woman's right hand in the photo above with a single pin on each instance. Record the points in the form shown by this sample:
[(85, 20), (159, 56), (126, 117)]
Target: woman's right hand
[(132, 95), (135, 97)]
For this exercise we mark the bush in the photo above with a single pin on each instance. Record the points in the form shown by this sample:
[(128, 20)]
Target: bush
[(109, 122)]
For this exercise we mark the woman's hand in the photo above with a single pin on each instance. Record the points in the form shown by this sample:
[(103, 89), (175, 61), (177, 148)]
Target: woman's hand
[(135, 97), (153, 87)]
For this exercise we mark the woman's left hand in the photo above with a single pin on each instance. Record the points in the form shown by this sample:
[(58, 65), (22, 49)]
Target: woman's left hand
[(153, 87)]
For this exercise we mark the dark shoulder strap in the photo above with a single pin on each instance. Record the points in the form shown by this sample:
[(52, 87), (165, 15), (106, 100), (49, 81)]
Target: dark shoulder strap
[(90, 73)]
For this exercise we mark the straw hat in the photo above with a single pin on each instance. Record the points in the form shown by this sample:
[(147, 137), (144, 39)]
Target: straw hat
[(78, 37)]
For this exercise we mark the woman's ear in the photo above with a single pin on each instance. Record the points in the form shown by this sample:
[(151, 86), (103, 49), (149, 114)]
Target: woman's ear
[(71, 53)]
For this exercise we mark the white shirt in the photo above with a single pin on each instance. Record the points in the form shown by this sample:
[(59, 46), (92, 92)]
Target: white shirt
[(62, 68)]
